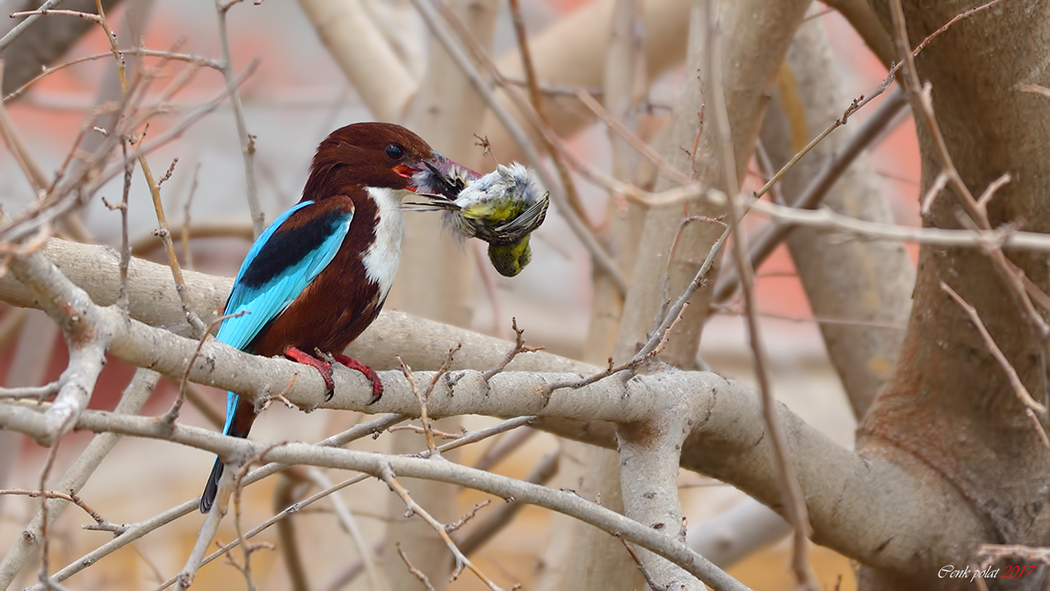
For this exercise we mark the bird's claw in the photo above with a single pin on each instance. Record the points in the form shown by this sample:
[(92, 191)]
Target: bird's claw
[(325, 370), (323, 367), (368, 372)]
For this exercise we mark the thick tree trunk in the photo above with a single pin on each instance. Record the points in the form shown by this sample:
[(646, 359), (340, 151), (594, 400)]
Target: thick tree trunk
[(949, 404)]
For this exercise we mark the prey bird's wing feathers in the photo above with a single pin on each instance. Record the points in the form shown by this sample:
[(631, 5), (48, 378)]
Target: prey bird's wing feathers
[(275, 272), (529, 219)]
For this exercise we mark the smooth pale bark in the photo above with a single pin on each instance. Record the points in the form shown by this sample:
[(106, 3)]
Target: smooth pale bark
[(422, 343), (864, 281), (384, 83), (949, 406)]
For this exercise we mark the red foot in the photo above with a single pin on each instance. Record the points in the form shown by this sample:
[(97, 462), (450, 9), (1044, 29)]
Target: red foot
[(321, 366), (350, 362)]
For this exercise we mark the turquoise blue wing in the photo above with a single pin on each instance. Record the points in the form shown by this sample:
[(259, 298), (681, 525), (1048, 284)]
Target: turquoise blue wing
[(290, 254)]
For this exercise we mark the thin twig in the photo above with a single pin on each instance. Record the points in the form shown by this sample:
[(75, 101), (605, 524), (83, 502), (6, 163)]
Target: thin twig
[(205, 535), (349, 523), (291, 550), (247, 140), (766, 172), (567, 183), (173, 412), (38, 392), (21, 27), (653, 585), (934, 191), (187, 252), (861, 101), (423, 396), (387, 475), (146, 243), (491, 525), (45, 540), (138, 530), (30, 168), (49, 12), (78, 473), (480, 434), (38, 217), (1004, 236), (423, 418), (654, 347), (870, 133), (457, 524), (496, 520), (631, 138), (167, 55), (372, 427), (125, 245), (247, 549), (141, 529), (202, 402), (418, 429), (169, 246), (412, 569), (169, 249), (70, 497), (993, 552), (518, 348), (503, 447), (1019, 388)]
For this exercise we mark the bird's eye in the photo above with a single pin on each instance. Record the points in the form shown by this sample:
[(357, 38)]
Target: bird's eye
[(395, 152)]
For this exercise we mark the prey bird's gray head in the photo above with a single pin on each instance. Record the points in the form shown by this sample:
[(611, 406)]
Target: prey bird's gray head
[(502, 208)]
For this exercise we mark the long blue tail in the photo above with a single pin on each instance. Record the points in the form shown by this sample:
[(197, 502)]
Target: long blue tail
[(239, 418)]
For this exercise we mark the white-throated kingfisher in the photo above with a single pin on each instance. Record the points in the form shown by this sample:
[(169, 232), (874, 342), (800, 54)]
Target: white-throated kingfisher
[(319, 274)]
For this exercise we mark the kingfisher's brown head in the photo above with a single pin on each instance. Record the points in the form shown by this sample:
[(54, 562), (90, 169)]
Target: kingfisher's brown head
[(378, 155)]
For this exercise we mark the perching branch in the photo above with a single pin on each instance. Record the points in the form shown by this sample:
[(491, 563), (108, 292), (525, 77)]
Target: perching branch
[(721, 444)]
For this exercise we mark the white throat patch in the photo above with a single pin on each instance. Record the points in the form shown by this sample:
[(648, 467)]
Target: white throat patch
[(382, 257)]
